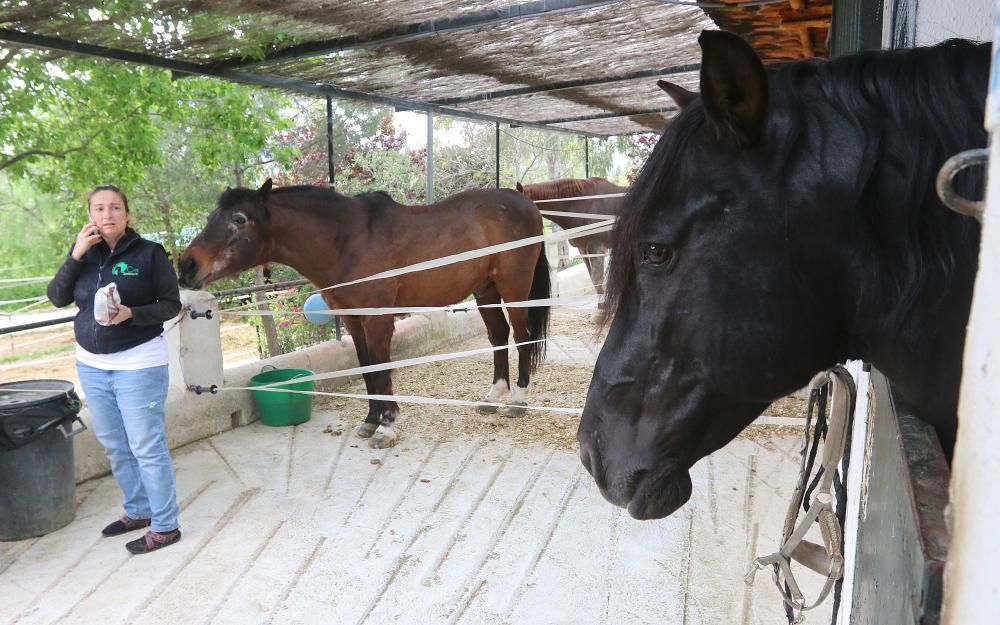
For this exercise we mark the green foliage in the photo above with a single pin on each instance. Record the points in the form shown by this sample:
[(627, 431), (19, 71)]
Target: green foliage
[(637, 148), (369, 154), (293, 329), (71, 123), (37, 239)]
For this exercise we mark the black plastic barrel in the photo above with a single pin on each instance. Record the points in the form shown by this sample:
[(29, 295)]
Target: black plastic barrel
[(37, 487)]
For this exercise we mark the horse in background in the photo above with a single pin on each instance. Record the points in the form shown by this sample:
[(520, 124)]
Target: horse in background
[(594, 247), (331, 238), (787, 220)]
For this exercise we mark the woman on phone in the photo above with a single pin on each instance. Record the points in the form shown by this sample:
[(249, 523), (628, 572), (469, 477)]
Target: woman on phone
[(125, 288)]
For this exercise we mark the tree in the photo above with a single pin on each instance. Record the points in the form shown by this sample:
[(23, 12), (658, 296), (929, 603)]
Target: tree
[(637, 148), (369, 154), (70, 122)]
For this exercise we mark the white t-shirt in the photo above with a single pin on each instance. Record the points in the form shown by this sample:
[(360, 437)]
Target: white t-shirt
[(152, 353)]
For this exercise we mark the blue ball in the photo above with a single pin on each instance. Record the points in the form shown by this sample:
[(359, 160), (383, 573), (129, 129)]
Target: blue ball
[(316, 310)]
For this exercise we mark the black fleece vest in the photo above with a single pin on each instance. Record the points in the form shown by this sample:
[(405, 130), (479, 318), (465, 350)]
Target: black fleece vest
[(130, 267)]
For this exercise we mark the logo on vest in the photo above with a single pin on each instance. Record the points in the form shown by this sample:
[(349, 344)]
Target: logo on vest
[(124, 269)]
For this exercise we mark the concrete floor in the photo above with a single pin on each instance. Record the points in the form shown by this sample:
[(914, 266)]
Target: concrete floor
[(293, 525)]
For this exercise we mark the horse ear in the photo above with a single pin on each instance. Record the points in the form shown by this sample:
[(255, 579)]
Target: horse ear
[(265, 189), (681, 96), (519, 187), (733, 86)]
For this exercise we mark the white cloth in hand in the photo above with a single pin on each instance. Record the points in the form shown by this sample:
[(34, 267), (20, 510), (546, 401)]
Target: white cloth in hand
[(106, 302)]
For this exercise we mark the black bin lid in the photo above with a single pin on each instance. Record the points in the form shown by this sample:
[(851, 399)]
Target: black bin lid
[(30, 393)]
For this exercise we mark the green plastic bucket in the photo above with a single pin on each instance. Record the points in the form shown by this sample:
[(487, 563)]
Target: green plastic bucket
[(277, 408)]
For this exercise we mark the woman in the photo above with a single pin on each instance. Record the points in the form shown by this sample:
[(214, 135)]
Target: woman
[(122, 359)]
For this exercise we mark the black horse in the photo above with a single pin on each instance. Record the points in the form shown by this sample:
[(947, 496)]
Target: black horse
[(785, 221)]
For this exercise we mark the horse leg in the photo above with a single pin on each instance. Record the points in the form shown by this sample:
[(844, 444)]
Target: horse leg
[(519, 393), (356, 329), (595, 267), (499, 333), (378, 331), (594, 259)]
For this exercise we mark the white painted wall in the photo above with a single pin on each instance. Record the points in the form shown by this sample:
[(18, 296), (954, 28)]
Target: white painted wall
[(972, 580), (938, 20)]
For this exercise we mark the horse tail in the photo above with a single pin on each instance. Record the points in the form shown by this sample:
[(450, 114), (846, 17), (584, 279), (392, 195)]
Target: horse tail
[(538, 316)]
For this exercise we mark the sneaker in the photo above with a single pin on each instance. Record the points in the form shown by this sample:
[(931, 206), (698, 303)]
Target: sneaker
[(153, 541), (125, 525)]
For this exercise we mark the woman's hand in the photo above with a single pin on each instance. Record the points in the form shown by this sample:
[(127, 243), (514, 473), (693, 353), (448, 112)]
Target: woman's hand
[(124, 314), (85, 239)]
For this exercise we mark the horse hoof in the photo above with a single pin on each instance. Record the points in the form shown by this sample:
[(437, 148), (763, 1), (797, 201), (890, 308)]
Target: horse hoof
[(517, 409), (383, 439), (484, 409), (365, 430)]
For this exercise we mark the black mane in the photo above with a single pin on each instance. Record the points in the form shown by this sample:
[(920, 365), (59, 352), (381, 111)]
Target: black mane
[(909, 110), (233, 197)]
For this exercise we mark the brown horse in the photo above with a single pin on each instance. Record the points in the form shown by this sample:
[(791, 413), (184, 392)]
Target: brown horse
[(594, 246), (331, 238)]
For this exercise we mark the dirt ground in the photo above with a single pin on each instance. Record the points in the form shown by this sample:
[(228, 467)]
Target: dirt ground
[(562, 381), (239, 341)]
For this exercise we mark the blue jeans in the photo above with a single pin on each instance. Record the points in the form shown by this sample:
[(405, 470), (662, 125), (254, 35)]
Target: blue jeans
[(126, 411)]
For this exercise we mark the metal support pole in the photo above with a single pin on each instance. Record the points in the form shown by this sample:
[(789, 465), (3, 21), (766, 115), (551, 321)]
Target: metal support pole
[(430, 157), (586, 157), (329, 139), (329, 164), (497, 158)]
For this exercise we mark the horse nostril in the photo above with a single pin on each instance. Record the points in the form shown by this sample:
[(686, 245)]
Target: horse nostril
[(188, 268), (590, 456), (585, 459)]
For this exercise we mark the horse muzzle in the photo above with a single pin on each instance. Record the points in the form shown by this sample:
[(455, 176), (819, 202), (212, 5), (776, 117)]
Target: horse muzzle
[(187, 273), (645, 493)]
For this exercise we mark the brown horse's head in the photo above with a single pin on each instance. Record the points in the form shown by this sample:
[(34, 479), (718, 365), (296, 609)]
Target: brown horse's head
[(234, 239)]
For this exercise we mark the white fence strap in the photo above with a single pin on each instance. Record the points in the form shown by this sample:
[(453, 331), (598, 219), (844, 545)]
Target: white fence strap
[(578, 215), (396, 364), (579, 197), (551, 302), (406, 399)]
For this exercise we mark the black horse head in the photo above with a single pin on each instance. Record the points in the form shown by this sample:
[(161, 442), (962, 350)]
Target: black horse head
[(785, 221)]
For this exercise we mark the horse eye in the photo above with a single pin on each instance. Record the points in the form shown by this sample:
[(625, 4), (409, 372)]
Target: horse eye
[(655, 254), (239, 219)]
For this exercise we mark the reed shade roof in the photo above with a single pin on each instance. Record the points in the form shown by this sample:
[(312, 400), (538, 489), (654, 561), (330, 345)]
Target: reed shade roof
[(505, 61)]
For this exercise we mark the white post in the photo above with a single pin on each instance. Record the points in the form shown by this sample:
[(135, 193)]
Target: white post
[(972, 580), (195, 345)]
